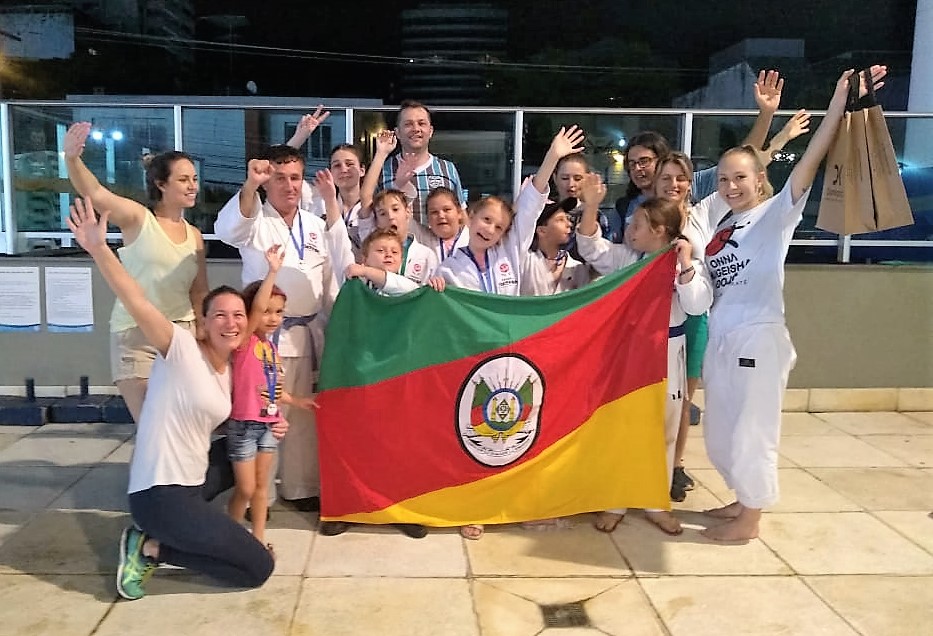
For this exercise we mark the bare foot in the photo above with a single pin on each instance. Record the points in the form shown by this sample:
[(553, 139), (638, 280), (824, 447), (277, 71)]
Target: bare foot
[(742, 528), (607, 521), (664, 520), (473, 531), (731, 511)]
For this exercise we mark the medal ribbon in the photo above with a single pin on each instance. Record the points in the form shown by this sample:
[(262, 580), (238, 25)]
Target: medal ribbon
[(300, 243), (486, 278), (270, 370)]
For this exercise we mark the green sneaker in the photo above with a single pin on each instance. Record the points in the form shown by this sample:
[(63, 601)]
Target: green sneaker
[(135, 568)]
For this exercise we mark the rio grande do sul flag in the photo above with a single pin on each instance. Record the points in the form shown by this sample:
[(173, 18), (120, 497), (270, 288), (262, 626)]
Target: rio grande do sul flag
[(452, 408)]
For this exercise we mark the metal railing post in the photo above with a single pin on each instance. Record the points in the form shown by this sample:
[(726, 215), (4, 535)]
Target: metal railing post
[(6, 170)]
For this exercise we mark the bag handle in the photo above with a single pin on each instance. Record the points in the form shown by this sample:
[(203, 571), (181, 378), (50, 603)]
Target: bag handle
[(869, 99), (852, 100)]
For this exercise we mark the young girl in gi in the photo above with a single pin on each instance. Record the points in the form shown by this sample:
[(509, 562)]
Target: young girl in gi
[(750, 355), (491, 261), (257, 396), (446, 221), (656, 223)]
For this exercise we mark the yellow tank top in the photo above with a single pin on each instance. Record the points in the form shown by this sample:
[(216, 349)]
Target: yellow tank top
[(164, 269)]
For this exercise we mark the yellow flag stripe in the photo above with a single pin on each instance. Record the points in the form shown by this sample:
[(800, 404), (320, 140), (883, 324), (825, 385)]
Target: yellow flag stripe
[(616, 459)]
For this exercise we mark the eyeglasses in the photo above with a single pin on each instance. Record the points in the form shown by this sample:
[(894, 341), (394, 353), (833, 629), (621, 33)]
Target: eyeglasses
[(642, 163)]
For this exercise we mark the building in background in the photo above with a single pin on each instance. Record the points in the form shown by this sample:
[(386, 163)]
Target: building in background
[(459, 42)]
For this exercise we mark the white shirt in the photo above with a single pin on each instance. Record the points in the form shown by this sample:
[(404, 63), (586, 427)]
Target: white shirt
[(692, 298), (306, 275), (503, 261), (745, 258), (186, 400), (537, 277)]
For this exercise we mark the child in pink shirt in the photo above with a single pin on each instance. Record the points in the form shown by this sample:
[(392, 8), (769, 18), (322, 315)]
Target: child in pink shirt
[(258, 396)]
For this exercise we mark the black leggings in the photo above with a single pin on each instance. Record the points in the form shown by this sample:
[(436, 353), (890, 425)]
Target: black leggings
[(196, 535)]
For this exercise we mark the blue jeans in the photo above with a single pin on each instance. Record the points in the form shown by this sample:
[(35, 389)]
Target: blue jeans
[(245, 438), (194, 534)]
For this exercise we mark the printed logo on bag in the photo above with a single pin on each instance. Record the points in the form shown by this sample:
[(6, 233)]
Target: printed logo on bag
[(499, 409)]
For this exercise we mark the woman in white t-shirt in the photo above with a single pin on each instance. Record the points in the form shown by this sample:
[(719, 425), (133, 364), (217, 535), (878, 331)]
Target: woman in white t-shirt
[(188, 397), (750, 355)]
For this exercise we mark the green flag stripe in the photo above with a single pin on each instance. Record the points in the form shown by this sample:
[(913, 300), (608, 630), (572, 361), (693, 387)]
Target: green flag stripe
[(371, 338)]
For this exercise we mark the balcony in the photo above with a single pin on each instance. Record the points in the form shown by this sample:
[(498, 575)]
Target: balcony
[(493, 148)]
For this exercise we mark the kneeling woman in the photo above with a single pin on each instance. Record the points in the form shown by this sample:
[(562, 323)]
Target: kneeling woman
[(188, 397)]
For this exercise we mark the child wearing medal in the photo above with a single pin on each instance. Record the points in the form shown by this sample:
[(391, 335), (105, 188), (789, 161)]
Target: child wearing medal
[(257, 397), (492, 260)]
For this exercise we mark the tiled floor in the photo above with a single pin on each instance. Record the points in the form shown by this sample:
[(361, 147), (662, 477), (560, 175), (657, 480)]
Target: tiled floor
[(848, 550)]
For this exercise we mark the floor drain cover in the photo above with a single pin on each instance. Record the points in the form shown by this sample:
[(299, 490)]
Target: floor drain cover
[(565, 615)]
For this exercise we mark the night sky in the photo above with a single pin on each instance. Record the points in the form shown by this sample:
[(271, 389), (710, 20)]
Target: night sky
[(678, 35)]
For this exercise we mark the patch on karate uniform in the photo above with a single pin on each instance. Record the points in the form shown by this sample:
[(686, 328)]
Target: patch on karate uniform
[(313, 242), (748, 363), (506, 277)]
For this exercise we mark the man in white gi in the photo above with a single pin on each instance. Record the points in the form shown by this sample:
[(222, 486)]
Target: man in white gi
[(306, 278)]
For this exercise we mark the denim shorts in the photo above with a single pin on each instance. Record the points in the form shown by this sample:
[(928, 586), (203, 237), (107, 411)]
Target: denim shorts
[(245, 438)]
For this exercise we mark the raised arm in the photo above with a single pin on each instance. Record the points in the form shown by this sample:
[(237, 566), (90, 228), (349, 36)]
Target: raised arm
[(91, 234), (567, 141), (801, 178), (798, 124), (274, 257), (592, 192), (124, 213), (307, 125), (768, 89), (339, 246), (258, 172), (385, 144)]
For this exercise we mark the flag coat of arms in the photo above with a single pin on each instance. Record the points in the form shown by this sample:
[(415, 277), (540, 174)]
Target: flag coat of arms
[(453, 408)]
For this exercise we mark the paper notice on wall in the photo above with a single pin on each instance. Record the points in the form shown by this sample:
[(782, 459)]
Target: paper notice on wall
[(69, 300), (19, 299)]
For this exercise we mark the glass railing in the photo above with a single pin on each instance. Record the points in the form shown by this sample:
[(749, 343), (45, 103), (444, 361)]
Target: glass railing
[(492, 148)]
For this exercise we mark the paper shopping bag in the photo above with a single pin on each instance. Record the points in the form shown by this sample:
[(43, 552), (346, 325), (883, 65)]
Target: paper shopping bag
[(846, 205), (892, 209)]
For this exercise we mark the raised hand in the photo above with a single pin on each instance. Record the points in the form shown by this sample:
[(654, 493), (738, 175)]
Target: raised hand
[(768, 90), (407, 162), (567, 141), (386, 142), (309, 123), (324, 183), (89, 231), (798, 124), (877, 72), (258, 172), (592, 190), (75, 139), (275, 256)]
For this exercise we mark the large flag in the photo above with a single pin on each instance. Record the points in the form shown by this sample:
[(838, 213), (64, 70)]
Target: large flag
[(457, 407)]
